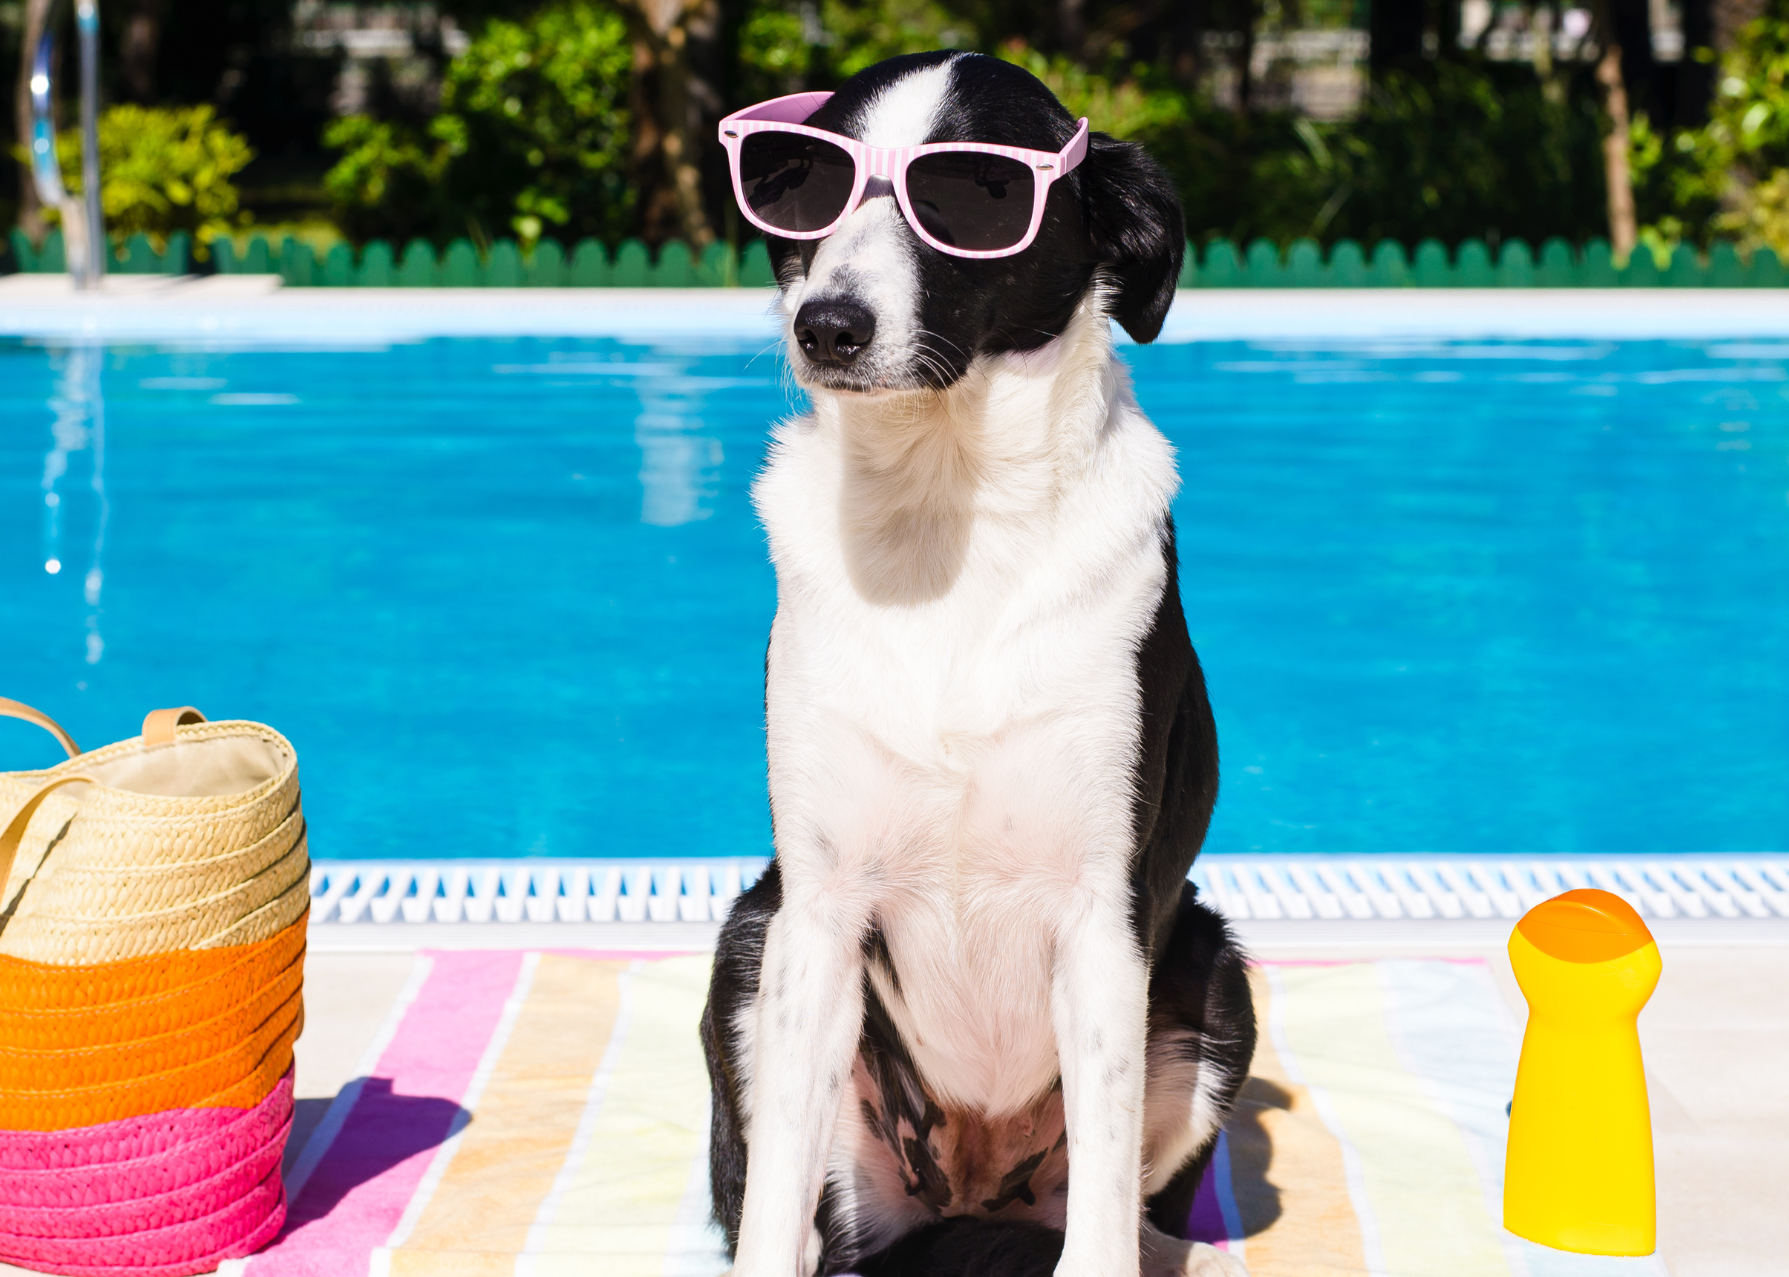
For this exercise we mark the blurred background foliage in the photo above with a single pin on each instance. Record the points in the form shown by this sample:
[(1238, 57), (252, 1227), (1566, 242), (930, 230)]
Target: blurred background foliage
[(162, 169), (1730, 177), (530, 139), (563, 119)]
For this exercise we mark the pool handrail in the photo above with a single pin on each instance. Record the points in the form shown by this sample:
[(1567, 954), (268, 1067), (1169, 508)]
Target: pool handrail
[(84, 225)]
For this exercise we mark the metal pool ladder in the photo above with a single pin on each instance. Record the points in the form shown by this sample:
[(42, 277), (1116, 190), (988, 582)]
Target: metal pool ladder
[(83, 223)]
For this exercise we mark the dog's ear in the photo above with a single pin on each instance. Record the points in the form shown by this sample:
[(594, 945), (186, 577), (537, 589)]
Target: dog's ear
[(1135, 229)]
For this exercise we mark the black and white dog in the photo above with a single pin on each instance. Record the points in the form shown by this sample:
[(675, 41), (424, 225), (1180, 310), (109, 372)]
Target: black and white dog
[(975, 963)]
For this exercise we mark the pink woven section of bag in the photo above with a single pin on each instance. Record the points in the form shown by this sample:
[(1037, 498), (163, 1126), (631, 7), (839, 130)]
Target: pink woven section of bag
[(167, 1195), (177, 1250), (171, 1148)]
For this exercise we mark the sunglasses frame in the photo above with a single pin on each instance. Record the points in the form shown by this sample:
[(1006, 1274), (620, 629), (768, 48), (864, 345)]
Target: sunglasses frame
[(785, 115)]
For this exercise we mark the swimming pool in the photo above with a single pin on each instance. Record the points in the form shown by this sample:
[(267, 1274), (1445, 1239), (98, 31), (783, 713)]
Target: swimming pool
[(508, 598)]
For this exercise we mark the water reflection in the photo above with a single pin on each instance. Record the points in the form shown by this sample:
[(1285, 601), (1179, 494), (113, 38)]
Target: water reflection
[(679, 465), (79, 427)]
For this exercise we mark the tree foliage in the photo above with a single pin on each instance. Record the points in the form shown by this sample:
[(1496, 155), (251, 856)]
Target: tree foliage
[(531, 139), (162, 169), (1729, 178), (537, 135), (1469, 148), (789, 47), (1463, 149)]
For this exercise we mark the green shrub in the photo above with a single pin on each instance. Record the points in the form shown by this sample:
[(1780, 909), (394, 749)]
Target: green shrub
[(1126, 108), (161, 170), (1463, 150), (387, 182), (1730, 177), (1215, 156), (1468, 148), (785, 47), (531, 139)]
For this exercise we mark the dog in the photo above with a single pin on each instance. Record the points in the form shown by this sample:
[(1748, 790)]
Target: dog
[(975, 962)]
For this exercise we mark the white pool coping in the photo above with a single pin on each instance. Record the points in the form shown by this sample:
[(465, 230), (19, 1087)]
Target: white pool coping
[(256, 310)]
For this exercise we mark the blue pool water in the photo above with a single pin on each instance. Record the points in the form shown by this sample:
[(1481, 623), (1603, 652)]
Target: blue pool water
[(508, 596)]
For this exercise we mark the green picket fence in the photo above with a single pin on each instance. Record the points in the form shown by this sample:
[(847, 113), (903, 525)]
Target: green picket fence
[(136, 256), (1220, 264), (1472, 265), (378, 265)]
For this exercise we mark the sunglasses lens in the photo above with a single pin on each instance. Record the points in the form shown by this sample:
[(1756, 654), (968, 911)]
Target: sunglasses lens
[(793, 182), (970, 200)]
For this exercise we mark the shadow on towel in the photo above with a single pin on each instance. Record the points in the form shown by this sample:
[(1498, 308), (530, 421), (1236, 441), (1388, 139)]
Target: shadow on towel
[(1251, 1153), (383, 1131)]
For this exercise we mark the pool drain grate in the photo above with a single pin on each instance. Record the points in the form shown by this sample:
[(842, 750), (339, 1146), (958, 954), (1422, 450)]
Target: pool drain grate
[(1244, 888)]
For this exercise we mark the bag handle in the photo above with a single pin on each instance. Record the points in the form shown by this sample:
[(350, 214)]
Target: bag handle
[(158, 727), (15, 831), (18, 709)]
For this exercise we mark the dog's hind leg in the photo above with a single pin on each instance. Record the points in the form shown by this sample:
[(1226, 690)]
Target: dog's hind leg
[(726, 1042), (728, 1033), (1201, 1039), (804, 1030)]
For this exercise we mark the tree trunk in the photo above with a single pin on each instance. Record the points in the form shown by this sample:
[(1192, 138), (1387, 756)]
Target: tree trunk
[(1623, 231), (1629, 28), (139, 47), (1540, 24), (1394, 33), (676, 107), (31, 220), (1245, 61), (1695, 78), (1071, 26), (1728, 16)]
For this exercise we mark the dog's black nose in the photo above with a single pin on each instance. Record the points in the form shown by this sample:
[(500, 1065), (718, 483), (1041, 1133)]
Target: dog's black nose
[(833, 332)]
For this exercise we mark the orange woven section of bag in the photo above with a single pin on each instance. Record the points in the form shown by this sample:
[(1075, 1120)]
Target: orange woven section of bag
[(136, 1050), (179, 987), (232, 1058)]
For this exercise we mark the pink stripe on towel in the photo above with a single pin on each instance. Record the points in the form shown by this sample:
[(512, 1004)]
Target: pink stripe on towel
[(406, 1110)]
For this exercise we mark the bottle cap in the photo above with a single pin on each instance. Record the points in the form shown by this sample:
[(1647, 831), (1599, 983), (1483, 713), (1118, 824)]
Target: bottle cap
[(1585, 925)]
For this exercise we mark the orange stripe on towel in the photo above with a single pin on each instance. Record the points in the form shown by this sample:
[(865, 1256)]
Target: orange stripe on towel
[(1286, 1170), (479, 1218)]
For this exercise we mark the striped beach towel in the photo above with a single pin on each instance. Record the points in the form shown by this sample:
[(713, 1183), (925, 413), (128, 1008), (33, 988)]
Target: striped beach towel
[(547, 1113)]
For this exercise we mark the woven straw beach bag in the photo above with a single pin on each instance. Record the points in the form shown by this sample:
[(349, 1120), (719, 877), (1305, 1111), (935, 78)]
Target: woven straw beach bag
[(152, 937)]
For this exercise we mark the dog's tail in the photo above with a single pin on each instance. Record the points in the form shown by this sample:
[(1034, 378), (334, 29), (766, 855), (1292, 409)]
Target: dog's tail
[(969, 1247)]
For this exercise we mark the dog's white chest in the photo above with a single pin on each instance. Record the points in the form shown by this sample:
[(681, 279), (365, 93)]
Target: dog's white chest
[(969, 764)]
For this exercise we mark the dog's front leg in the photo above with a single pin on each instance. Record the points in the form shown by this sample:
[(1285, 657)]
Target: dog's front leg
[(809, 1017), (1100, 1007)]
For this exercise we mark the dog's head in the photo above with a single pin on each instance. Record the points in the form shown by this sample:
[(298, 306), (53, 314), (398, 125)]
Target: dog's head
[(873, 307)]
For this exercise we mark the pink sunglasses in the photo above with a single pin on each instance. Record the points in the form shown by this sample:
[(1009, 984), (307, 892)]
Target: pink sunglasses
[(968, 199)]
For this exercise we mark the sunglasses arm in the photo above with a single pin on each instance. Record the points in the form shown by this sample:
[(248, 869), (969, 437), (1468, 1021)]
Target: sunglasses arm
[(1075, 151)]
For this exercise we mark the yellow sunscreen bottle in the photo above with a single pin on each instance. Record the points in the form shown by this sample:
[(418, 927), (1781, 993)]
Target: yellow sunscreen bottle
[(1579, 1170)]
